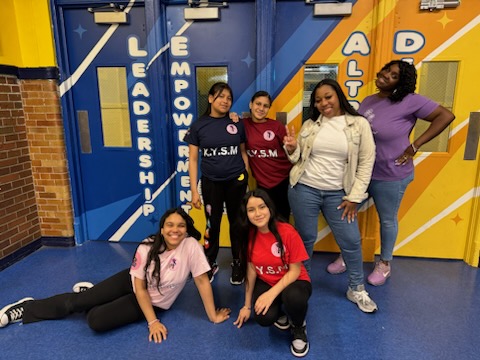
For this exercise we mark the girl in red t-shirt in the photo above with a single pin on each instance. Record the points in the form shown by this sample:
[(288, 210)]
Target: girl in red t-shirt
[(277, 285)]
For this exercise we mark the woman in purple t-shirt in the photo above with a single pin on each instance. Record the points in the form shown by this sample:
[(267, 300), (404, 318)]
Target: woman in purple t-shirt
[(392, 114)]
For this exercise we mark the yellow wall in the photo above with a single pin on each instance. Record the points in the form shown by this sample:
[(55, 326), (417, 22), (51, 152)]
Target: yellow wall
[(26, 37), (439, 215)]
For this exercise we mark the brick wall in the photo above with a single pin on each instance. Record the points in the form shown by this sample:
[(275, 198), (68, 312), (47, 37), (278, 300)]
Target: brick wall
[(35, 197), (45, 134), (19, 222)]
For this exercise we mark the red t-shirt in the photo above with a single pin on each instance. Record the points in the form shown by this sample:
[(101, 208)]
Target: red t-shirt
[(266, 156), (266, 255)]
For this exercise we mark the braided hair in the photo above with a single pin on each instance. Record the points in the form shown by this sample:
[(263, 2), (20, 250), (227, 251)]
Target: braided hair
[(407, 81)]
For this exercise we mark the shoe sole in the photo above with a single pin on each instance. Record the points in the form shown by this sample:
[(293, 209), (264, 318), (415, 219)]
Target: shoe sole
[(78, 286), (300, 354), (367, 311), (336, 272), (5, 308), (281, 327), (380, 283), (236, 282)]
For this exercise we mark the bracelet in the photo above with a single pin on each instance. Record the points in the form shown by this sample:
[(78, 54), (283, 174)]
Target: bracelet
[(150, 323), (246, 307), (415, 149)]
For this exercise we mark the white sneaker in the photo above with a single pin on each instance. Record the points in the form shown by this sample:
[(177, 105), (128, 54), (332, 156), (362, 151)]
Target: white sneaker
[(300, 345), (282, 323), (82, 286), (13, 313), (361, 298)]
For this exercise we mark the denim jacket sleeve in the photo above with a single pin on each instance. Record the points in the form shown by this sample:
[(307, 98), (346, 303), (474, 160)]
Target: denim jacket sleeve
[(361, 163)]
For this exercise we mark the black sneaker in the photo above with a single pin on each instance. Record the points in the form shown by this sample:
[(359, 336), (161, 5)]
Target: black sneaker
[(236, 278), (13, 313), (300, 345), (82, 286), (282, 322), (211, 273)]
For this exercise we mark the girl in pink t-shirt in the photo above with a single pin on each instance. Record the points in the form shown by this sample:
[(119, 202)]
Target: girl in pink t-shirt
[(159, 272)]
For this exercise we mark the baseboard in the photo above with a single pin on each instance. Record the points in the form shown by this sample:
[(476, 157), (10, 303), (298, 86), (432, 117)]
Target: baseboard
[(34, 246)]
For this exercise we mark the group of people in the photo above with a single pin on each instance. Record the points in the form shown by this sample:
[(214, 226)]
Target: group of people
[(340, 157)]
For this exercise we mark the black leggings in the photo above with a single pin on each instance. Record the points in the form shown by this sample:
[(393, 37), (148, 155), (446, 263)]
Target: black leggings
[(294, 299), (109, 304), (214, 194)]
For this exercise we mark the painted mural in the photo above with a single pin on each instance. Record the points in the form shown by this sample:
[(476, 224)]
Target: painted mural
[(119, 192)]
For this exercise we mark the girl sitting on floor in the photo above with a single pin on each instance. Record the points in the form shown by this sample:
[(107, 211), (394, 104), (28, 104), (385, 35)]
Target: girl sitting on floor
[(160, 269)]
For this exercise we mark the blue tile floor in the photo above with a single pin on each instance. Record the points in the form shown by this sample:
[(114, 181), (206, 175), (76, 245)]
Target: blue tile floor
[(429, 309)]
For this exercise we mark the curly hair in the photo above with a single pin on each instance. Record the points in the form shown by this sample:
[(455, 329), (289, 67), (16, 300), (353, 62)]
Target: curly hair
[(407, 81)]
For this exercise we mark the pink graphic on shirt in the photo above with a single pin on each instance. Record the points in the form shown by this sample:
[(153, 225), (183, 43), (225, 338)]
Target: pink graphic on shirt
[(276, 250), (172, 264), (269, 135), (136, 262), (232, 129)]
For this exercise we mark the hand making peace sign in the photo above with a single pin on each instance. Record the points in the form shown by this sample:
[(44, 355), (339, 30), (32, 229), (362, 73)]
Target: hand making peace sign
[(289, 140)]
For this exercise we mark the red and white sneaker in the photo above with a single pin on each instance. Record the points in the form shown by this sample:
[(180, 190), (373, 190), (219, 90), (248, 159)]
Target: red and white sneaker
[(337, 267), (380, 274)]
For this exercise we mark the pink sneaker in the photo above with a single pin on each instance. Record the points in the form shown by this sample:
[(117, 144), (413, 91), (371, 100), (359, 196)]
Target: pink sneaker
[(380, 274), (337, 267)]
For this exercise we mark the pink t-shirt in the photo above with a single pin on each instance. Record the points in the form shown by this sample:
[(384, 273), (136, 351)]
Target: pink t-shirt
[(266, 255), (175, 268)]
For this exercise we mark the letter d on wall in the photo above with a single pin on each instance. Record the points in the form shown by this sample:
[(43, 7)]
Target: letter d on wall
[(408, 42)]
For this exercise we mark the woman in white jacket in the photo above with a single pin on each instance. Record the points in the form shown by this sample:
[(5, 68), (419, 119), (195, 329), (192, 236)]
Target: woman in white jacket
[(333, 159)]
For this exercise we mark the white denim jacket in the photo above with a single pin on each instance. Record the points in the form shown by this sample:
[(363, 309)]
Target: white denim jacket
[(361, 155)]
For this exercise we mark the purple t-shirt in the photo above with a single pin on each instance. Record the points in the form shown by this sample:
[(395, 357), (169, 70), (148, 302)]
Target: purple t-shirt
[(392, 123)]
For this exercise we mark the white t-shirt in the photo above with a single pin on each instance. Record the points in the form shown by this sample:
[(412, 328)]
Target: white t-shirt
[(175, 268), (326, 163)]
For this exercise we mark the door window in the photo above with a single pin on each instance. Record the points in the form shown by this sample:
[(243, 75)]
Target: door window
[(115, 115), (206, 77), (312, 76), (437, 82)]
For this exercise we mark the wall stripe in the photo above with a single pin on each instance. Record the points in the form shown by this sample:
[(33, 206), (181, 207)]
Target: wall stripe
[(462, 200)]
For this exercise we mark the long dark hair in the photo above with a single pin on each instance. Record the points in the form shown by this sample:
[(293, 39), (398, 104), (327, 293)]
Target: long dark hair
[(249, 231), (158, 245), (345, 106), (215, 91), (407, 81)]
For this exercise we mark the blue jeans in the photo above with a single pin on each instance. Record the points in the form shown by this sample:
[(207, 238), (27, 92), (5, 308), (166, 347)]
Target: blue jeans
[(387, 196), (306, 203)]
